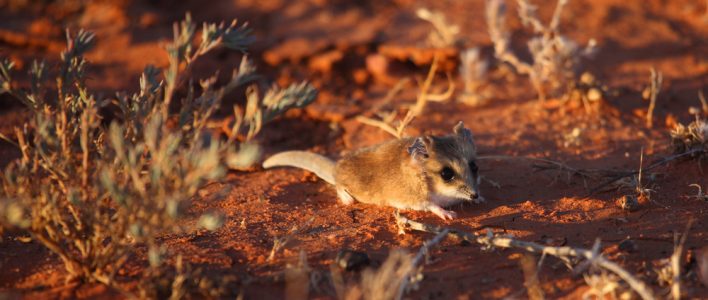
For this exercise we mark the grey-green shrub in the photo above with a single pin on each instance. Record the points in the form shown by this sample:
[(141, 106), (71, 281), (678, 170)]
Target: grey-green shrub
[(92, 193)]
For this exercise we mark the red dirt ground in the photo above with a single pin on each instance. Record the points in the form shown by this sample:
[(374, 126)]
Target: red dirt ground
[(327, 42)]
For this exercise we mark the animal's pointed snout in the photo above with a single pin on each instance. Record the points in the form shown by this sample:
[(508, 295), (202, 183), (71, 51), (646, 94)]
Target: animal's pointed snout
[(474, 195)]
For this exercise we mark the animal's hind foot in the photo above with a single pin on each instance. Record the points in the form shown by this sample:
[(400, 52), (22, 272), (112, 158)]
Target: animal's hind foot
[(344, 196)]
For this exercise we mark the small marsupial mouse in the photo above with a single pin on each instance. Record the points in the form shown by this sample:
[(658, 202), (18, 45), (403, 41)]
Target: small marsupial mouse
[(426, 173)]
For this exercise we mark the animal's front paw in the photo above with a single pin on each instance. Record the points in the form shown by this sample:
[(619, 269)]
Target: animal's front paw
[(447, 215), (442, 213)]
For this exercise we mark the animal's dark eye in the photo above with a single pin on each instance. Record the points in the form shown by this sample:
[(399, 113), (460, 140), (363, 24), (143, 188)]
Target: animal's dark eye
[(447, 173), (473, 166)]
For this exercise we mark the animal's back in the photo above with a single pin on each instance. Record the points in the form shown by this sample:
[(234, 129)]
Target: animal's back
[(382, 175)]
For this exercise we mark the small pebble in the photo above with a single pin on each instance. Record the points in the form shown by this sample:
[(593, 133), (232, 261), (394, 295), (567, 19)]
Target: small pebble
[(587, 78), (594, 94), (628, 246), (628, 203), (351, 260)]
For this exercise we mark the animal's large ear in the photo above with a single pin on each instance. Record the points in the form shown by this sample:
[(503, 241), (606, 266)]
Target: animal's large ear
[(464, 133), (419, 149)]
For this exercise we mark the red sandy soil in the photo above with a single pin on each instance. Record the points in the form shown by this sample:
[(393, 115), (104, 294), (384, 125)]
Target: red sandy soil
[(328, 42)]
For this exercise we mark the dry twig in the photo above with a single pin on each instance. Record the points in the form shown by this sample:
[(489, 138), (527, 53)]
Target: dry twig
[(543, 164), (281, 241), (423, 97), (593, 257), (380, 124), (424, 250), (649, 168), (700, 195)]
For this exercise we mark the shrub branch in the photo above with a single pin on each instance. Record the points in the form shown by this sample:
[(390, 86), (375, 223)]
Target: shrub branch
[(593, 257)]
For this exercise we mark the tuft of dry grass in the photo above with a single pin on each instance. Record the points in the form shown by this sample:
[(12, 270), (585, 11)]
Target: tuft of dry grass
[(473, 70), (604, 286), (384, 283), (181, 280), (444, 33), (555, 58), (691, 138)]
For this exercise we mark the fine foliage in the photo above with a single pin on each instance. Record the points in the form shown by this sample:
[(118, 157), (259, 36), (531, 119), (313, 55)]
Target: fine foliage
[(93, 187)]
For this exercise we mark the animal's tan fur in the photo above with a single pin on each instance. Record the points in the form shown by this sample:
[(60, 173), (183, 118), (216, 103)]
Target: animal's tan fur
[(402, 173)]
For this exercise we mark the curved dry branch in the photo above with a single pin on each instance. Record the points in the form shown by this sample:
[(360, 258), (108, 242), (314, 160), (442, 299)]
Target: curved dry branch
[(418, 257), (491, 241), (380, 124), (446, 95)]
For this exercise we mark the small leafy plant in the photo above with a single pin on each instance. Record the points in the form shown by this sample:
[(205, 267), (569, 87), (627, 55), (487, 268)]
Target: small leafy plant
[(93, 187)]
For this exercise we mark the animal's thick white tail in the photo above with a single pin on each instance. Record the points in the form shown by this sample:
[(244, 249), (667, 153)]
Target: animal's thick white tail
[(322, 166)]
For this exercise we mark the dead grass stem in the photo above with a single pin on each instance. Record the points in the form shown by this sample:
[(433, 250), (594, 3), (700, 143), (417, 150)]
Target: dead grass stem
[(676, 261), (657, 78), (280, 242), (531, 280)]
